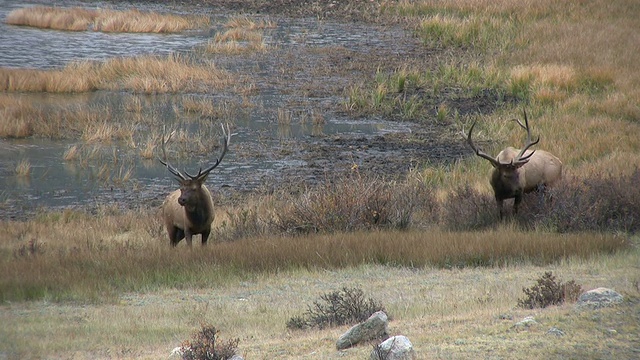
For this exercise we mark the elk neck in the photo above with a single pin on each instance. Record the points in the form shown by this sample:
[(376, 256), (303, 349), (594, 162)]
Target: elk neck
[(201, 212)]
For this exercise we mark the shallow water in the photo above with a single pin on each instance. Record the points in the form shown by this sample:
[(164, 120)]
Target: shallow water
[(55, 183)]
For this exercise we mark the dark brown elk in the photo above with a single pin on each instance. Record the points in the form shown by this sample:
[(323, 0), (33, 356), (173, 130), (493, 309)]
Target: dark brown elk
[(189, 210), (519, 171)]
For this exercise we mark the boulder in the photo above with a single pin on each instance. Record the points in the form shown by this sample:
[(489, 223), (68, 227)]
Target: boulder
[(598, 298), (375, 327), (394, 348), (525, 323)]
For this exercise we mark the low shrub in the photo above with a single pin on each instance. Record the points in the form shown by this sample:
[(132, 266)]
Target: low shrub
[(548, 291), (354, 202), (205, 345), (467, 209), (598, 203), (347, 306)]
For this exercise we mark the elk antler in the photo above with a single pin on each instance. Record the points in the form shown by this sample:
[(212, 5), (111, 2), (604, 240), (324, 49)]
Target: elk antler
[(201, 173), (226, 139), (165, 162), (478, 152), (520, 159)]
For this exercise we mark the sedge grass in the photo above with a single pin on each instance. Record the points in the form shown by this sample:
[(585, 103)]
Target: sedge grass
[(105, 20), (23, 168), (237, 41), (245, 22), (144, 74)]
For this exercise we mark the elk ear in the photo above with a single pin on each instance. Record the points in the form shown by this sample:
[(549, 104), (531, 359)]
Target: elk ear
[(519, 164), (202, 178)]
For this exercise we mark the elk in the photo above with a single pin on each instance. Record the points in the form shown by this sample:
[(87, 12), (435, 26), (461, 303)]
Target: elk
[(189, 210), (519, 171)]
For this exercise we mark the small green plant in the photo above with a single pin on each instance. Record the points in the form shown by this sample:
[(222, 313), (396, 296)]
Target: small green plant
[(205, 345), (347, 306), (549, 292)]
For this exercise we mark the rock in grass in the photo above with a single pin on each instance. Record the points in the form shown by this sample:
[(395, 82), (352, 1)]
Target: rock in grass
[(598, 298), (375, 327), (394, 348)]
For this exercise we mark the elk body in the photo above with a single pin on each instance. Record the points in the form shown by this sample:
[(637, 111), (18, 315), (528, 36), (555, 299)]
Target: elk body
[(189, 210), (519, 171)]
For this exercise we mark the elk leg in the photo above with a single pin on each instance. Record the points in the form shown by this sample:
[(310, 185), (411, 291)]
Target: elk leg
[(516, 203), (205, 236), (188, 236), (175, 235), (500, 202)]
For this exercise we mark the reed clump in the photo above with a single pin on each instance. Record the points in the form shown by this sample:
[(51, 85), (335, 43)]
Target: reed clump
[(237, 41), (245, 22), (144, 74), (105, 20), (23, 168), (243, 35)]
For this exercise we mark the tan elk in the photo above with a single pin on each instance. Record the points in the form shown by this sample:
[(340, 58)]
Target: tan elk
[(519, 171), (189, 210)]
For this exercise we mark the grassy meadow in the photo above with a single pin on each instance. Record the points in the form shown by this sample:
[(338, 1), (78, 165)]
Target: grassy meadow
[(429, 248)]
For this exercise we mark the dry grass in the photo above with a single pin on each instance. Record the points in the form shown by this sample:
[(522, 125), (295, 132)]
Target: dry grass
[(163, 295), (237, 41), (23, 168), (244, 22), (244, 35), (105, 20), (145, 74)]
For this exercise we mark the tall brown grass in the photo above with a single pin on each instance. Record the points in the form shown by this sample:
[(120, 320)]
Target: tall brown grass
[(236, 41), (106, 20), (145, 74), (245, 22), (89, 258)]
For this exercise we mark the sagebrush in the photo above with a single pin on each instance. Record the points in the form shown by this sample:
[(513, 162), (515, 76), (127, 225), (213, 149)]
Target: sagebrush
[(206, 345), (346, 306), (548, 291)]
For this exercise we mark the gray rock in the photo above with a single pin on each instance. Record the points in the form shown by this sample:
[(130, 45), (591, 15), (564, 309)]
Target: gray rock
[(555, 331), (375, 327), (598, 298), (525, 323), (394, 348)]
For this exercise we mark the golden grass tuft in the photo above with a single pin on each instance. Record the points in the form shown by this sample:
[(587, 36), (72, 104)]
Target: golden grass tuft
[(200, 105), (236, 41), (71, 154), (145, 74), (23, 168), (72, 19), (245, 22), (80, 19), (148, 150)]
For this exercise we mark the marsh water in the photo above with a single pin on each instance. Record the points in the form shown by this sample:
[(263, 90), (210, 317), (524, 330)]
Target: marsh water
[(276, 146)]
